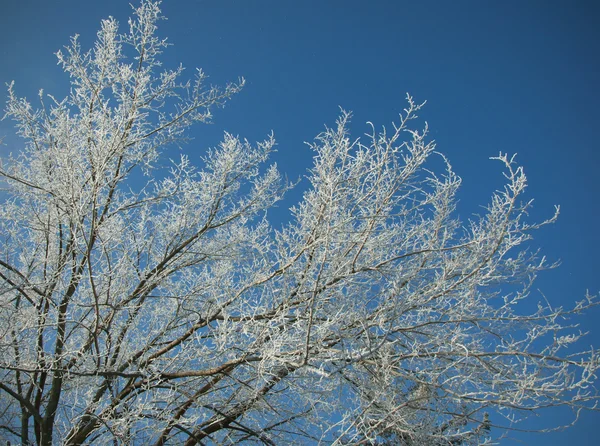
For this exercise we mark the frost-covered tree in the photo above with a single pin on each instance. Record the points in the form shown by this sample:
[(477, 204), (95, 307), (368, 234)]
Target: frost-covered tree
[(144, 305)]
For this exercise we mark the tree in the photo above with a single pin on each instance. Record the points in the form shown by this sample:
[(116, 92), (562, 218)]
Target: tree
[(148, 305)]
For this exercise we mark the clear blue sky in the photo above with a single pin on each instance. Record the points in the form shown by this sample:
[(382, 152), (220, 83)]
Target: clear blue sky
[(513, 75)]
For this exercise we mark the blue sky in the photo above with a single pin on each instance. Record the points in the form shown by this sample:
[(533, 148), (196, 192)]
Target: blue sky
[(512, 76)]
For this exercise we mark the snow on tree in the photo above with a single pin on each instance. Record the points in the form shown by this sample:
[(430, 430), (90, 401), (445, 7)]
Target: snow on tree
[(173, 312)]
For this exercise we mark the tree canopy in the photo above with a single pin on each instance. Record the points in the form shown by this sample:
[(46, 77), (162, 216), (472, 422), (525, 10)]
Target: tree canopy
[(144, 304)]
